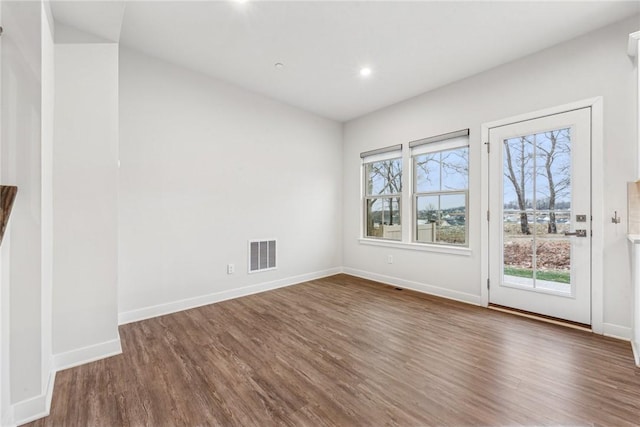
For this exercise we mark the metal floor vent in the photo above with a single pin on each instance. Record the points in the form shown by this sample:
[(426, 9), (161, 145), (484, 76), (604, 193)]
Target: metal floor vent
[(262, 255)]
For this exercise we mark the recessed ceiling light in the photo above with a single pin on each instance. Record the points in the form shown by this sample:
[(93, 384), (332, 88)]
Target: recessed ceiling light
[(279, 65), (365, 72)]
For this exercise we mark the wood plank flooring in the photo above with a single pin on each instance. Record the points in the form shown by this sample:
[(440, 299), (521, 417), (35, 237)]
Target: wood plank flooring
[(346, 351)]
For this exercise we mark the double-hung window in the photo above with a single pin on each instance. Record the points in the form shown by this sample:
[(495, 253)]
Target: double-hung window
[(435, 191), (383, 193), (441, 189)]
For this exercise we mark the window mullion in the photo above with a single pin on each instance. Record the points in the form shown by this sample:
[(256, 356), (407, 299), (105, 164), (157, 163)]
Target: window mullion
[(407, 206)]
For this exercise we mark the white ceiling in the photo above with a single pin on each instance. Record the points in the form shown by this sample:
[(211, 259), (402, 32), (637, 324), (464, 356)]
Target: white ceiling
[(412, 47)]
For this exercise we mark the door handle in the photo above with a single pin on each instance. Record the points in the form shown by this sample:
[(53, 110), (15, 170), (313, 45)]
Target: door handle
[(577, 233)]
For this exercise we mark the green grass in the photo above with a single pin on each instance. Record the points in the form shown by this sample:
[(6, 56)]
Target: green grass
[(552, 276)]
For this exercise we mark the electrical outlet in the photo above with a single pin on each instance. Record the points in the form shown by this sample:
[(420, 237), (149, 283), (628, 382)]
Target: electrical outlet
[(389, 259), (231, 269)]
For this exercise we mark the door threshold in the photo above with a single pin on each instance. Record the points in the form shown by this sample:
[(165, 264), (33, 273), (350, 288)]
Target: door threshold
[(541, 317)]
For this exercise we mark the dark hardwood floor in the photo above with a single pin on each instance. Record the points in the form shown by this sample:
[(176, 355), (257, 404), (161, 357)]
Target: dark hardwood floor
[(346, 351)]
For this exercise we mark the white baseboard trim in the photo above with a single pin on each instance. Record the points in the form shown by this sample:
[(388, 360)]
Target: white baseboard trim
[(188, 303), (636, 352), (39, 406), (36, 407), (616, 331), (415, 286), (49, 394), (87, 354)]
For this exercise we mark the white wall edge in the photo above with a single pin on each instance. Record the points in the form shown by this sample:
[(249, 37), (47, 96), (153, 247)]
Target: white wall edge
[(188, 303), (87, 354), (415, 286), (616, 331), (636, 352), (36, 407), (484, 207), (634, 40), (598, 215)]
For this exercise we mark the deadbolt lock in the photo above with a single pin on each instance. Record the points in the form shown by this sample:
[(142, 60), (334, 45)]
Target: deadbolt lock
[(581, 218)]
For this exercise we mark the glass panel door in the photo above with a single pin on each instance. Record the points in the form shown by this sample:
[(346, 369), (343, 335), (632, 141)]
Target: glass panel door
[(537, 211), (540, 224)]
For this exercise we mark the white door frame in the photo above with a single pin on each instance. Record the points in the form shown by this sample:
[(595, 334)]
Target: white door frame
[(597, 201)]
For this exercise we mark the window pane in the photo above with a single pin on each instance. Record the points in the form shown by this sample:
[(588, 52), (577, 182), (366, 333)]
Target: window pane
[(427, 218), (428, 172), (518, 256), (383, 177), (383, 218), (442, 219), (518, 170), (455, 169), (442, 171), (553, 169), (537, 210)]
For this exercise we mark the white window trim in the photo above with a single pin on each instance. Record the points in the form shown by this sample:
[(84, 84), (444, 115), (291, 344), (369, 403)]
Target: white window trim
[(438, 143), (414, 246), (436, 147), (388, 153)]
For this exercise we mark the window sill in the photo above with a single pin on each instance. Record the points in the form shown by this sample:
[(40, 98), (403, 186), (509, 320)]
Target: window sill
[(452, 250)]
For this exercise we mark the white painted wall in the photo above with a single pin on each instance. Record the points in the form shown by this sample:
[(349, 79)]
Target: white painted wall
[(206, 166), (592, 65), (20, 165), (5, 384), (5, 368), (85, 158), (48, 98)]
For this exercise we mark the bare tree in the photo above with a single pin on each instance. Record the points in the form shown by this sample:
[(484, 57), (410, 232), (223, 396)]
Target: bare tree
[(450, 162), (429, 165), (518, 173), (456, 162), (390, 172), (558, 174)]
